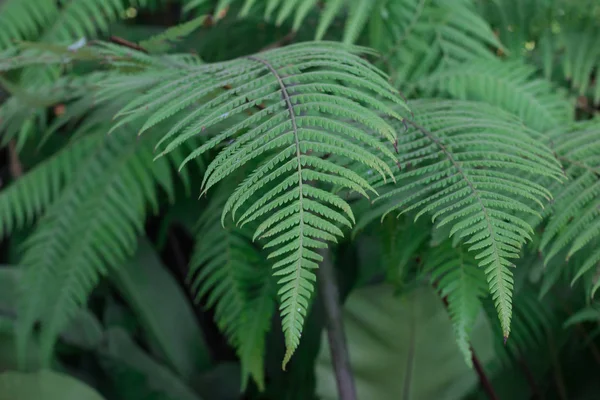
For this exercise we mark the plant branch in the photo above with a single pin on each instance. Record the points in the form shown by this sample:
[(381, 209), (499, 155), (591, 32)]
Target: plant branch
[(335, 329)]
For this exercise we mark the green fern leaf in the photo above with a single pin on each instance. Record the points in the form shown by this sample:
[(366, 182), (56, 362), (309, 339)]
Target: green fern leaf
[(462, 285), (474, 169), (91, 226), (301, 99), (509, 85), (574, 227), (235, 278)]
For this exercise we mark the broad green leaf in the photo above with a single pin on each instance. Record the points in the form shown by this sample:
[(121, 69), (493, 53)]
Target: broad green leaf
[(403, 348), (164, 311), (44, 385), (135, 371)]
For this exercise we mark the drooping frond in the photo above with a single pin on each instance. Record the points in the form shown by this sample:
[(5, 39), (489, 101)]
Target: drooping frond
[(461, 284), (509, 85), (575, 224), (91, 226), (238, 283), (291, 106), (473, 168)]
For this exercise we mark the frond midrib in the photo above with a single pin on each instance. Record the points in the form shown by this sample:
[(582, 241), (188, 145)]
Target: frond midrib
[(490, 227), (294, 306)]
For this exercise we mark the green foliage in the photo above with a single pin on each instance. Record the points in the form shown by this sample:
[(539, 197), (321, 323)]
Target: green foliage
[(482, 179), (237, 280), (575, 224), (460, 164), (308, 108), (462, 284)]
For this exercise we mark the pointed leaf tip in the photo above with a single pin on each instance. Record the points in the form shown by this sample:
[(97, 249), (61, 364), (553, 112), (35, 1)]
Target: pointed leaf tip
[(505, 339)]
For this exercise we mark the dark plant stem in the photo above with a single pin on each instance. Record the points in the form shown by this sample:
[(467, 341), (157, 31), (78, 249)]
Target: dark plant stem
[(15, 166), (335, 330), (483, 379)]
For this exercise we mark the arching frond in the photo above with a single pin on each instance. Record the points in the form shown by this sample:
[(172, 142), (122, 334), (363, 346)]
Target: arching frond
[(575, 224), (238, 283), (509, 85), (91, 226), (461, 284), (474, 168), (292, 107)]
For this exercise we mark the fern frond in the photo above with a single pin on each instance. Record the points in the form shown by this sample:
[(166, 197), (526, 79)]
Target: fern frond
[(419, 37), (575, 224), (27, 198), (296, 11), (91, 226), (509, 85), (237, 281), (291, 105), (474, 169), (534, 322), (578, 58), (462, 285)]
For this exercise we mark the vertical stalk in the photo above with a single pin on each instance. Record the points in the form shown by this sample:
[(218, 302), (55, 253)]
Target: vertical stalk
[(335, 329)]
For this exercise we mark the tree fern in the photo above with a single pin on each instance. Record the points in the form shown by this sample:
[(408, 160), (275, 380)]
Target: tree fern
[(227, 268), (474, 169), (300, 99), (462, 285), (575, 224)]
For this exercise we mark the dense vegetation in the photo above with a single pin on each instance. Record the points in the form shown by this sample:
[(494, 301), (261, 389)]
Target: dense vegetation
[(191, 190)]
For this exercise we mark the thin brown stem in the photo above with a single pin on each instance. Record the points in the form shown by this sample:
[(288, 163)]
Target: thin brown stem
[(483, 378), (14, 163), (329, 293)]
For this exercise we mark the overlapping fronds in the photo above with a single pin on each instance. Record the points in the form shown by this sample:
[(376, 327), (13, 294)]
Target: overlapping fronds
[(473, 168), (461, 283), (575, 224), (559, 35), (17, 112), (62, 21), (419, 37), (92, 224), (292, 107), (509, 85), (357, 13), (237, 280), (577, 54), (24, 200)]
